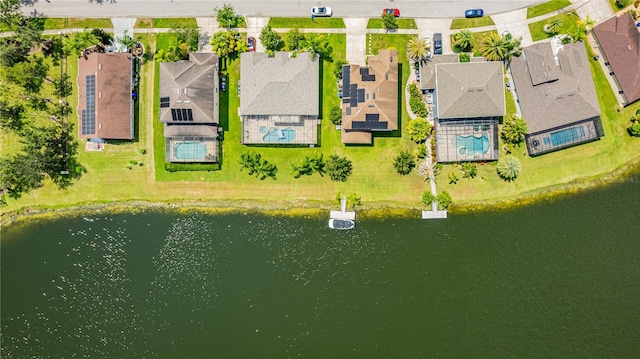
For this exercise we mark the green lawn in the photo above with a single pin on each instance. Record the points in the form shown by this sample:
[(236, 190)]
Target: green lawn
[(70, 23), (167, 23), (537, 28), (468, 23), (144, 23), (306, 22), (402, 24), (546, 8)]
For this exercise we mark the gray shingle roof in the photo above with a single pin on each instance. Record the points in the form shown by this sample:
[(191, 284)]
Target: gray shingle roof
[(572, 97), (191, 85), (428, 69), (474, 89), (280, 85)]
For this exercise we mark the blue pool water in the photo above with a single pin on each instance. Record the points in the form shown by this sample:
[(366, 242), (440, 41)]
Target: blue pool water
[(470, 145), (276, 135), (569, 135), (190, 150)]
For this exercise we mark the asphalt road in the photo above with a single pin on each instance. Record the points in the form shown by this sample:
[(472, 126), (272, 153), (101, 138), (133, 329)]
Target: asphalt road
[(270, 8)]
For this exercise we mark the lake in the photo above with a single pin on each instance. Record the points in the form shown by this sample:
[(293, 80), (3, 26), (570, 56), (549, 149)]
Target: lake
[(557, 279)]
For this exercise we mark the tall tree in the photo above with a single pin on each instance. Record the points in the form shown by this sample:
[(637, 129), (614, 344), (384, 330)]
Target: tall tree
[(76, 43), (62, 85), (417, 49), (463, 40), (29, 74), (226, 16), (404, 163), (294, 39), (317, 44), (187, 35), (494, 47), (514, 129), (270, 39), (227, 43), (20, 174), (339, 168), (389, 22)]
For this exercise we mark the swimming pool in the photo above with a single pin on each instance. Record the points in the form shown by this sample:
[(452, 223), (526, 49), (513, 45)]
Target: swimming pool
[(471, 145), (277, 135), (190, 150), (569, 135)]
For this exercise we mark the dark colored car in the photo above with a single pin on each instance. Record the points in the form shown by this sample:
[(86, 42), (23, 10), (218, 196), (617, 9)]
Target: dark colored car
[(251, 44), (437, 43), (473, 13), (394, 12)]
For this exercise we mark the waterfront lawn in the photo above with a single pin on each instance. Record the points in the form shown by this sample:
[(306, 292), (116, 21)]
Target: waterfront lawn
[(469, 23), (569, 23), (378, 23), (306, 22), (562, 169), (167, 23), (547, 7)]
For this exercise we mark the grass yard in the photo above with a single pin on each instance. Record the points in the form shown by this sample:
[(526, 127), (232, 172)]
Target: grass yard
[(144, 23), (546, 8), (557, 170), (468, 23), (569, 24), (167, 23), (402, 24), (71, 23), (306, 22)]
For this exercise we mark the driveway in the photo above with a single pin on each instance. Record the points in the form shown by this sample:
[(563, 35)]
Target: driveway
[(356, 40)]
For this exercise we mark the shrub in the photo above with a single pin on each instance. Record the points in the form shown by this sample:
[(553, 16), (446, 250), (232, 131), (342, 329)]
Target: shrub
[(309, 165), (415, 101), (420, 152), (257, 166), (428, 198), (133, 162), (404, 163), (418, 130), (465, 57), (444, 199), (176, 167), (634, 129), (337, 70), (339, 168), (335, 115), (143, 151)]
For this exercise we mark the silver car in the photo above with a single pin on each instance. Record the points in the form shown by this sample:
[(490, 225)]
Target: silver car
[(322, 11)]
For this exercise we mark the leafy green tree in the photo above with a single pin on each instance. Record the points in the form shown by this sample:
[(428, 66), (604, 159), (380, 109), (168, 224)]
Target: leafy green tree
[(62, 85), (444, 199), (335, 115), (634, 126), (389, 22), (12, 115), (165, 55), (271, 40), (309, 165), (227, 17), (508, 168), (29, 74), (463, 41), (428, 198), (453, 179), (469, 170), (404, 163), (294, 39), (417, 49), (514, 47), (514, 129), (11, 17), (227, 43), (494, 47), (20, 174), (187, 35), (75, 44), (317, 44), (337, 68), (339, 168), (418, 130), (104, 37)]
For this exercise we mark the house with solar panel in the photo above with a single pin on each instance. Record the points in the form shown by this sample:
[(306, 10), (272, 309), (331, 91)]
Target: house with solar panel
[(279, 98), (105, 103), (557, 96), (189, 108), (469, 101), (370, 98)]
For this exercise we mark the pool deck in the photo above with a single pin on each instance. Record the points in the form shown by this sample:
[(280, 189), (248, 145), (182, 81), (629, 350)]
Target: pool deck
[(306, 131), (212, 149)]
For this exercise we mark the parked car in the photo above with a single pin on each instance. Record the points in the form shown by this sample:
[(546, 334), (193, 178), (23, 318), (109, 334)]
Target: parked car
[(473, 13), (394, 12), (251, 44), (322, 11), (437, 43)]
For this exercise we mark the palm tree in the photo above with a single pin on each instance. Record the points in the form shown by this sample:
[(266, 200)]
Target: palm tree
[(469, 169), (508, 168), (514, 47), (317, 44), (588, 23), (77, 43), (463, 40), (417, 49), (453, 178), (555, 25), (494, 47)]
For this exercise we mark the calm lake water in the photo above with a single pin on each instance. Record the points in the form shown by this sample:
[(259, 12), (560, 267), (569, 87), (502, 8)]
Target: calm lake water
[(557, 279)]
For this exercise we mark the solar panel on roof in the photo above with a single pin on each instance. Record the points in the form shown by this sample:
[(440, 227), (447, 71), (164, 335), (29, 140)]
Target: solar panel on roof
[(346, 80), (353, 101), (174, 116), (363, 125), (89, 113), (189, 115), (360, 95), (372, 117), (348, 111), (345, 100), (164, 104), (165, 99)]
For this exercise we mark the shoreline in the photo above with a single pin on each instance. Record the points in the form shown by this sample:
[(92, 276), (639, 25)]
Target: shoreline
[(307, 208)]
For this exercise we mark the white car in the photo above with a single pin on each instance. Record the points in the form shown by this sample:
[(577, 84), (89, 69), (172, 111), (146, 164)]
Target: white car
[(321, 11)]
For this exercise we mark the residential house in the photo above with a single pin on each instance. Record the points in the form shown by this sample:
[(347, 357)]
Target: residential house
[(469, 102), (370, 98), (279, 98), (619, 41), (189, 108), (557, 96), (105, 103)]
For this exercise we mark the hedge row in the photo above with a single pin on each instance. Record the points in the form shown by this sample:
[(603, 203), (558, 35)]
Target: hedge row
[(175, 167)]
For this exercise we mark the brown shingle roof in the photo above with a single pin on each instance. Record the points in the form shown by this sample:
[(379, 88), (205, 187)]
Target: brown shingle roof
[(570, 98), (619, 39), (370, 102), (472, 89), (113, 103)]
